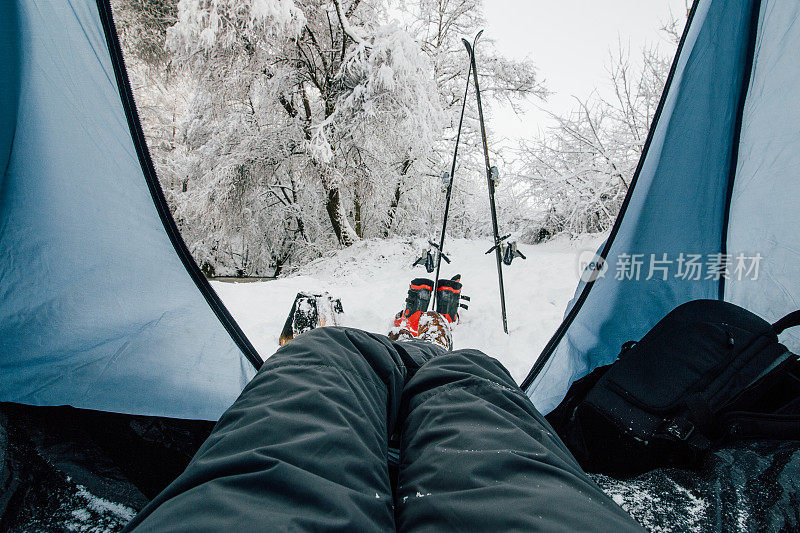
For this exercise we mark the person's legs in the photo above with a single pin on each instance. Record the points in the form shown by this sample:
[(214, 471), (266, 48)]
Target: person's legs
[(304, 448), (476, 455)]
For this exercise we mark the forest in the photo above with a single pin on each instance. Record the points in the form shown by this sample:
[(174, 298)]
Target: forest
[(283, 130)]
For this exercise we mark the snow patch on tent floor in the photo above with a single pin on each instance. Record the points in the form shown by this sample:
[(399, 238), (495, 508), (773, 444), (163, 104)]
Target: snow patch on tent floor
[(75, 508), (371, 278), (657, 503), (90, 513)]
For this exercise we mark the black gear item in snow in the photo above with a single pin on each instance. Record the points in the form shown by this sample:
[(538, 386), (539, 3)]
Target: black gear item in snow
[(426, 260), (511, 252), (448, 298), (304, 448)]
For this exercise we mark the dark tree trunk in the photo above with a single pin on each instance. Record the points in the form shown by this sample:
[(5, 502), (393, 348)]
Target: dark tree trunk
[(333, 207), (357, 217), (395, 203)]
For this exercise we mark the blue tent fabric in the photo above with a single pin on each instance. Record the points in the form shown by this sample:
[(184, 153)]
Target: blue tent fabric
[(102, 307), (9, 66), (764, 206), (97, 310), (712, 144)]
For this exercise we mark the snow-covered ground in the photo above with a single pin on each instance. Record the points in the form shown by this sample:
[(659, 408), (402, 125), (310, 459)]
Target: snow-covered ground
[(371, 279)]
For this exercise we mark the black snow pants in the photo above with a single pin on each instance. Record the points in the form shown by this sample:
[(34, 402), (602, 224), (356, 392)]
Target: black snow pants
[(306, 448)]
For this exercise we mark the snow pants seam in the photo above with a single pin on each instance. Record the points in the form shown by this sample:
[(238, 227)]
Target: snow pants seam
[(335, 368), (473, 384)]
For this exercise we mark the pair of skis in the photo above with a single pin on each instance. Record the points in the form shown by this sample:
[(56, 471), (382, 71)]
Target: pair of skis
[(491, 178)]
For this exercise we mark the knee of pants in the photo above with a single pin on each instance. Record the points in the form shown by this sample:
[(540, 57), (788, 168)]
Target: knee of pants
[(347, 349), (469, 362)]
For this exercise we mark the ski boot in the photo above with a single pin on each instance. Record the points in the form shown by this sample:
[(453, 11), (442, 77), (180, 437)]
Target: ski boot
[(448, 298), (417, 302), (416, 322)]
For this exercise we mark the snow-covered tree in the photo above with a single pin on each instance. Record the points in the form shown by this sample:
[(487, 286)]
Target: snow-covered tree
[(160, 93), (577, 173), (439, 25), (334, 101), (389, 119), (282, 128)]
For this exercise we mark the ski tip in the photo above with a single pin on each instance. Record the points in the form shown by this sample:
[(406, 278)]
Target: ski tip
[(471, 46)]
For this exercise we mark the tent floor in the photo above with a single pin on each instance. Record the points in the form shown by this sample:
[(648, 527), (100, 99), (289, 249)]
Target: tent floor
[(754, 486), (64, 468)]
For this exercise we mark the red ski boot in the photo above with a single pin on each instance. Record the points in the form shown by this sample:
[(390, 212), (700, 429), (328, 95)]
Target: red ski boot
[(417, 301), (448, 298), (416, 322)]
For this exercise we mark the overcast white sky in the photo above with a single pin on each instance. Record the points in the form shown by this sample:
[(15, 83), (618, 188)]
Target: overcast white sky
[(570, 42)]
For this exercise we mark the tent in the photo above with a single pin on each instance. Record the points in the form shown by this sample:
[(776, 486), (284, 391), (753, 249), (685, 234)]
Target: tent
[(102, 307), (718, 185)]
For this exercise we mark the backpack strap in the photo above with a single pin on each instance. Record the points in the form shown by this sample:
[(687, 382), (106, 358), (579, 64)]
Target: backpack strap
[(682, 429), (789, 321), (744, 419), (761, 426)]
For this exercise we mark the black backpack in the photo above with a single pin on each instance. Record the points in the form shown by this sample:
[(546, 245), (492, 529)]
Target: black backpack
[(707, 373)]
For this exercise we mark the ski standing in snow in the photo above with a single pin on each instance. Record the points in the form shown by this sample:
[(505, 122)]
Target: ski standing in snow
[(451, 177), (492, 177)]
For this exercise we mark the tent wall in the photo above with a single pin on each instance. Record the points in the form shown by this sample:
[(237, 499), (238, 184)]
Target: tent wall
[(676, 205), (765, 206), (9, 86), (97, 310)]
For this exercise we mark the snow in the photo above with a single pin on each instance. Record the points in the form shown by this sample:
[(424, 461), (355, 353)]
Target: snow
[(658, 503), (371, 278), (88, 513), (103, 506)]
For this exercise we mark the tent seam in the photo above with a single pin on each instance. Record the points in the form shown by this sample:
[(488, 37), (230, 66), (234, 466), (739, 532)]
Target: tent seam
[(157, 194), (737, 133)]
